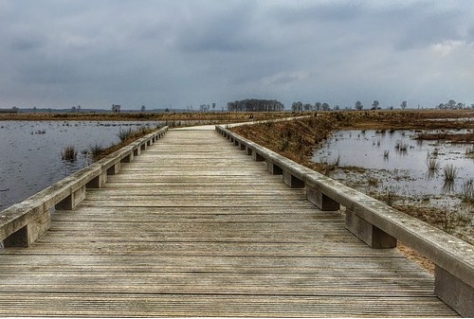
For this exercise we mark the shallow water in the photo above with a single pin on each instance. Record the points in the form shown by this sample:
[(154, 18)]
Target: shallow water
[(404, 170), (30, 152)]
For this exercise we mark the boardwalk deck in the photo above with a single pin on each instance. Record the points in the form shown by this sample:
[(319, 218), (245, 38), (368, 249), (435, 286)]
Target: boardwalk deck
[(193, 227)]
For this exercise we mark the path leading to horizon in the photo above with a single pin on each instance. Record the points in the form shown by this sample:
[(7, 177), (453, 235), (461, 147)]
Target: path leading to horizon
[(194, 227)]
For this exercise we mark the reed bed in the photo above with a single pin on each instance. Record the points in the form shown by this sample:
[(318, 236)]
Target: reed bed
[(69, 153), (450, 173)]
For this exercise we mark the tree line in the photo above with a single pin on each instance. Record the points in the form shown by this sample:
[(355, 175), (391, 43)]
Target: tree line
[(255, 105)]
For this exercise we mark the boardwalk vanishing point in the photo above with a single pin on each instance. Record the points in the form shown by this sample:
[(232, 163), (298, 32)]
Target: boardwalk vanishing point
[(195, 227)]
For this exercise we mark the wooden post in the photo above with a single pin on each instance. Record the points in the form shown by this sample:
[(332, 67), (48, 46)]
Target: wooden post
[(29, 233), (292, 181), (72, 200), (368, 233), (274, 169), (454, 292), (321, 201), (257, 157)]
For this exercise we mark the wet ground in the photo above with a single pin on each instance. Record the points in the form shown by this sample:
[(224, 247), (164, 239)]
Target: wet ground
[(399, 160), (373, 162)]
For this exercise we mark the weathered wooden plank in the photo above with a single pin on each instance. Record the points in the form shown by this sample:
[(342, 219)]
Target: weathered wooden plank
[(193, 227), (183, 305)]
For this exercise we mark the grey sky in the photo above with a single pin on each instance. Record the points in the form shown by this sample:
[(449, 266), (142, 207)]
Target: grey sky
[(95, 53)]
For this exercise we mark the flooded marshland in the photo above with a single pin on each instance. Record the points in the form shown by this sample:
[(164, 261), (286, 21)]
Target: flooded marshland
[(399, 168), (399, 158), (31, 158)]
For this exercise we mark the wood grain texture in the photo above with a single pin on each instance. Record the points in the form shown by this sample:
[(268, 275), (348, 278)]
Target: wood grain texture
[(194, 227)]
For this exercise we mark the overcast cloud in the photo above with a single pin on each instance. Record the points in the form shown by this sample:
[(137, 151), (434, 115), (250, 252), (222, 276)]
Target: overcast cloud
[(61, 53)]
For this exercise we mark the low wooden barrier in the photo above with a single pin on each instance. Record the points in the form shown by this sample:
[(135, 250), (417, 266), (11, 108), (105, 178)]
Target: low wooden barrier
[(21, 224), (379, 225)]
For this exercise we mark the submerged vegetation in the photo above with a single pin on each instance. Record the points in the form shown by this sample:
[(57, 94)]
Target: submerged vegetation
[(450, 173), (69, 153)]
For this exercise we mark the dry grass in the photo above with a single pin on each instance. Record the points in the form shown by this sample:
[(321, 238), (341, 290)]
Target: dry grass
[(295, 139), (133, 136)]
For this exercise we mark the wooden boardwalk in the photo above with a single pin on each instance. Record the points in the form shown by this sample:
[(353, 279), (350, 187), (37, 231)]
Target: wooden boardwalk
[(194, 227)]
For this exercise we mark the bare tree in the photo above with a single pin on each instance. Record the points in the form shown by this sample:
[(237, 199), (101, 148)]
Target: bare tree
[(375, 104), (116, 108)]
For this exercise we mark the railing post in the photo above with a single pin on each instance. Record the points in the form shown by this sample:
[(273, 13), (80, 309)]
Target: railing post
[(454, 292), (114, 169), (274, 169), (128, 158), (292, 181), (368, 233), (73, 199), (257, 157), (98, 181), (321, 201), (248, 150), (29, 233)]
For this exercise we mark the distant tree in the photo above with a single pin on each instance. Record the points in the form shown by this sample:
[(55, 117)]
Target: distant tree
[(78, 108), (451, 104), (252, 105), (472, 106), (143, 108), (460, 105), (73, 109), (204, 107), (403, 105), (391, 107), (317, 106), (213, 106), (15, 109), (325, 106), (116, 108), (375, 104), (358, 106), (307, 107), (297, 106), (336, 107), (167, 110)]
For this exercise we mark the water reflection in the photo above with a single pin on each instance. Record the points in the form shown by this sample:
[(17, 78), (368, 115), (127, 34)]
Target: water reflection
[(399, 159)]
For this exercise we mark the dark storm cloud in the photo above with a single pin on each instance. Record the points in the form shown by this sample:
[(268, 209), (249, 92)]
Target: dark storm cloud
[(178, 53)]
